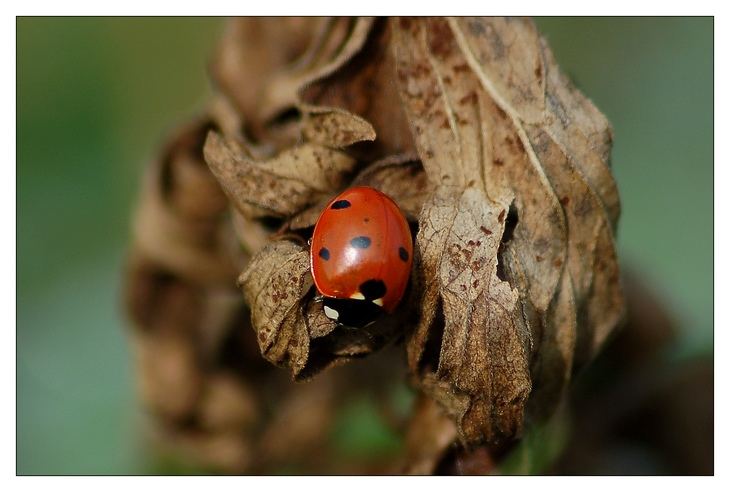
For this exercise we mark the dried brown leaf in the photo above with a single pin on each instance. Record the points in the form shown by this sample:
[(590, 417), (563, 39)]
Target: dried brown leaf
[(334, 128), (280, 186), (571, 140), (365, 86), (485, 346), (274, 284), (262, 65), (516, 245), (290, 326), (253, 49), (181, 222), (338, 41)]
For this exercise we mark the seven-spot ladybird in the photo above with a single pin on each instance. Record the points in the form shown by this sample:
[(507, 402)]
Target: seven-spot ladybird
[(361, 254)]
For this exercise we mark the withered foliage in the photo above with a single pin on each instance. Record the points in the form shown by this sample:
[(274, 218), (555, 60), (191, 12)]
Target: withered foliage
[(500, 165), (516, 243)]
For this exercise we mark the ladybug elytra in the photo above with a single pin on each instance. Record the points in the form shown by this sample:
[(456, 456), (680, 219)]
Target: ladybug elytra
[(361, 254)]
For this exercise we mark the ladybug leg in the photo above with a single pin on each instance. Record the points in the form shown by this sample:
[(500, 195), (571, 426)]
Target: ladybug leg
[(359, 330), (369, 336)]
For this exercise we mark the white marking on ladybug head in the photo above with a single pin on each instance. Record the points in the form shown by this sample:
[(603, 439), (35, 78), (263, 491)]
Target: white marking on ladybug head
[(378, 302), (331, 313), (358, 296)]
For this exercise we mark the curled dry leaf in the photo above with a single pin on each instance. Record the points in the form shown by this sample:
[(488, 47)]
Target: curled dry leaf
[(253, 49), (290, 325), (365, 86), (335, 128), (274, 290), (181, 303), (262, 64), (485, 343), (280, 186), (181, 220), (516, 243), (336, 42)]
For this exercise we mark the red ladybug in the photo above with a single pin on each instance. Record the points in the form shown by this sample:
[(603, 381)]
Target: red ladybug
[(361, 254)]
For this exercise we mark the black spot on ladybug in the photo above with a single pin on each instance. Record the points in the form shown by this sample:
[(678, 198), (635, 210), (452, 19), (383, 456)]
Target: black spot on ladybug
[(324, 253), (340, 204), (350, 312), (402, 253), (373, 289), (362, 242), (367, 219)]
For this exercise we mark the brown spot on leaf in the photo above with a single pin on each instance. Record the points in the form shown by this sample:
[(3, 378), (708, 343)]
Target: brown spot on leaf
[(515, 145), (584, 206), (441, 41), (470, 98)]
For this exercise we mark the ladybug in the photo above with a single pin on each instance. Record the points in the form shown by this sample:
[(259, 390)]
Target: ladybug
[(361, 253)]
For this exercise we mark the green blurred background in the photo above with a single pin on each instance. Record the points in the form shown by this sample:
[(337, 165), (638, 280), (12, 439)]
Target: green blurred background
[(97, 96)]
